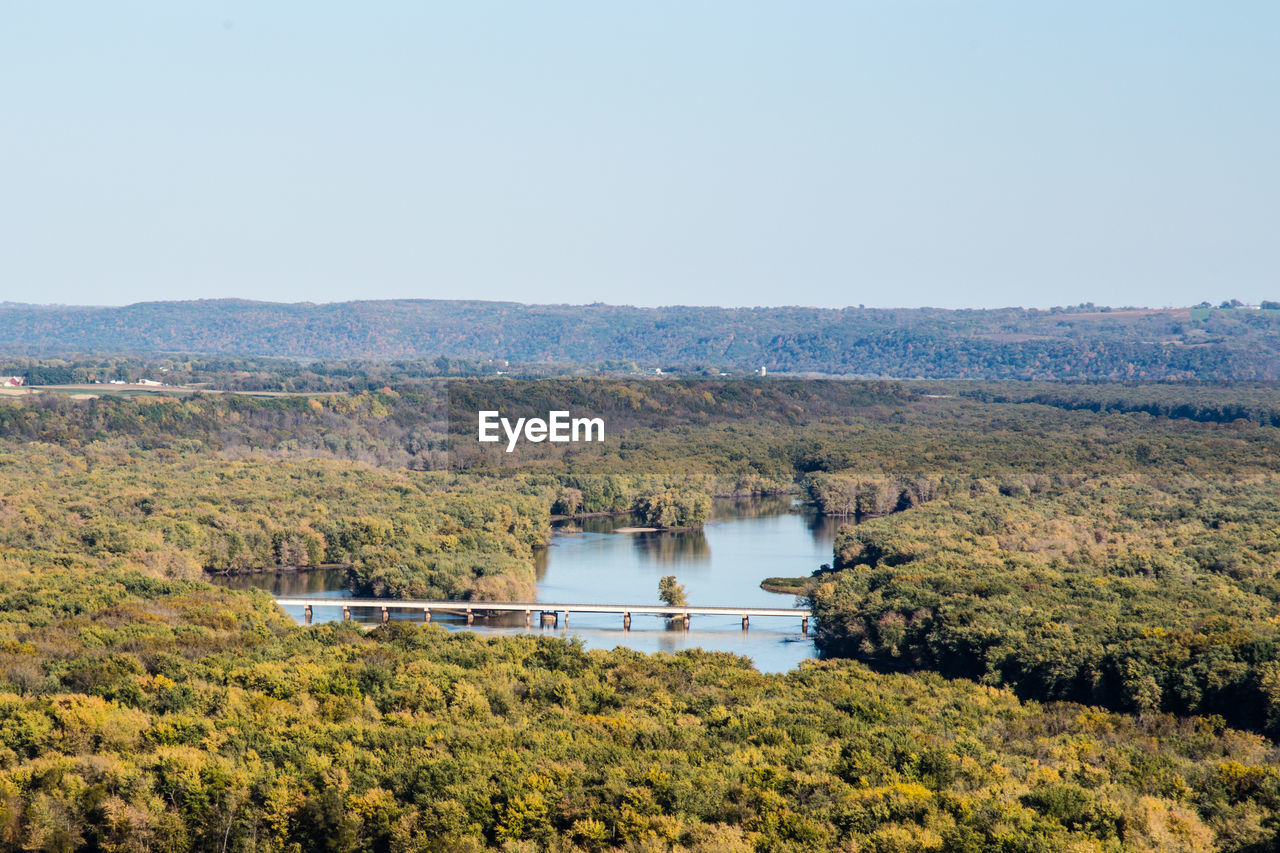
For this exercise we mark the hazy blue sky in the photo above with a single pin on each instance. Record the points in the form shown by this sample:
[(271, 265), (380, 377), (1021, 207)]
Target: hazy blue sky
[(887, 153)]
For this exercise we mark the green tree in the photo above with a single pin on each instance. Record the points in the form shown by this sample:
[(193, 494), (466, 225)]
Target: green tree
[(671, 592)]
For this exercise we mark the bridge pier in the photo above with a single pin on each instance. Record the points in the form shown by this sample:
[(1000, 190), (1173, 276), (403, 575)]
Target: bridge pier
[(686, 621), (426, 614), (528, 618), (346, 613), (306, 615), (386, 615), (471, 617), (566, 618), (745, 621), (626, 621), (804, 625)]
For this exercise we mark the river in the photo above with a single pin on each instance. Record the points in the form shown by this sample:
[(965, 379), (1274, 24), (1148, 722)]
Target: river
[(587, 561)]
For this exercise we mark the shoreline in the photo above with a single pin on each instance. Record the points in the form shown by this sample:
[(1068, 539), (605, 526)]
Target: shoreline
[(619, 512)]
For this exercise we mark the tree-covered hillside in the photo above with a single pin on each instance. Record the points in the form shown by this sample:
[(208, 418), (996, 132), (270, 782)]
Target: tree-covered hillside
[(1014, 556), (1012, 343)]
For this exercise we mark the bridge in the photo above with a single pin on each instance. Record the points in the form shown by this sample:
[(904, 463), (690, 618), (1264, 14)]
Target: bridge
[(548, 614)]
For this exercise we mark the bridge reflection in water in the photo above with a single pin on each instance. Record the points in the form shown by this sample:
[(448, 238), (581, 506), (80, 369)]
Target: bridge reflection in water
[(549, 614)]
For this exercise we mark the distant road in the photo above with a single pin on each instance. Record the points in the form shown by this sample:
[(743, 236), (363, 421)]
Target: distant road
[(89, 390)]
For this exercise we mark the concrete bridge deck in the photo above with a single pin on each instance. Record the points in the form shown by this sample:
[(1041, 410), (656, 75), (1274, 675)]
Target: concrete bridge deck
[(546, 610)]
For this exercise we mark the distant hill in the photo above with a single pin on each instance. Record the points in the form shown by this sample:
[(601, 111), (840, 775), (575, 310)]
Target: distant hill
[(1077, 343)]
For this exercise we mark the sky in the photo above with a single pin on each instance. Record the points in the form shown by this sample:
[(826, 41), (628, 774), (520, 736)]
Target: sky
[(887, 153)]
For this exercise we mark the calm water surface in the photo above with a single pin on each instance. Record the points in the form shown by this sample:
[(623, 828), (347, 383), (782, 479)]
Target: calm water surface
[(589, 562)]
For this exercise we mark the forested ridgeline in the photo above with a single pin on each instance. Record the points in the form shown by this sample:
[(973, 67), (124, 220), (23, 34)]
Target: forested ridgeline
[(856, 448), (739, 436), (409, 428), (696, 437), (406, 426), (1205, 402), (146, 714), (1013, 343), (657, 404)]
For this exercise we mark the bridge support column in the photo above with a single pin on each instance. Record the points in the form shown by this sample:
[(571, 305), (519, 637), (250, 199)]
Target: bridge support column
[(528, 618), (346, 613), (566, 618), (626, 621), (386, 615), (804, 625), (686, 621), (426, 614), (471, 617), (306, 615), (745, 621)]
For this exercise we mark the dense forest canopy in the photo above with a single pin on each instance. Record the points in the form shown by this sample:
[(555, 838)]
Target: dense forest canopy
[(141, 714), (1061, 604), (1236, 343)]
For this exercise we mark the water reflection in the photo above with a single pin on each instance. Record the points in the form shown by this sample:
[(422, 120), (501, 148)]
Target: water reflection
[(541, 560), (822, 528), (761, 506), (672, 547), (594, 524), (328, 582)]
